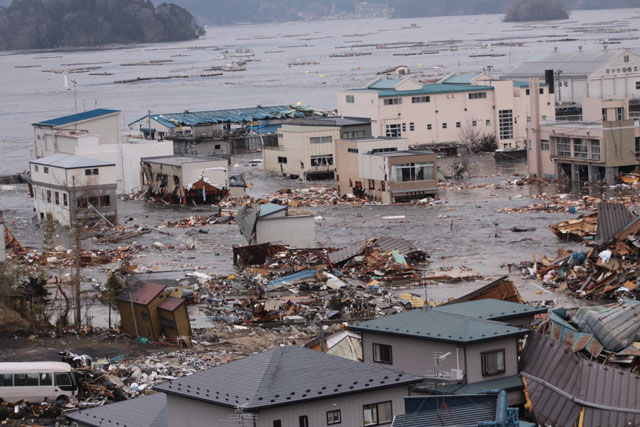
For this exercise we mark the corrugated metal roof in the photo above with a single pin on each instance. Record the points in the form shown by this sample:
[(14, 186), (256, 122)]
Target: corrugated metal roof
[(430, 89), (437, 325), (79, 117), (144, 411), (143, 292), (171, 303), (576, 63), (282, 376), (460, 78), (612, 218), (385, 83), (460, 411), (491, 309), (502, 289), (388, 244), (616, 326), (67, 161), (560, 384), (348, 252)]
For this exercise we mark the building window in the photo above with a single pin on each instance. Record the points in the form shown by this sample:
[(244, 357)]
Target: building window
[(563, 146), (487, 122), (378, 413), (48, 196), (409, 172), (580, 148), (412, 126), (393, 131), (321, 139), (35, 168), (372, 184), (352, 150), (277, 423), (88, 172), (334, 417), (477, 95), (167, 323), (626, 58), (619, 113), (392, 101), (105, 201), (382, 352), (458, 124), (637, 146), (381, 185), (541, 91), (505, 120), (322, 160), (492, 362), (420, 99), (428, 126), (384, 150), (350, 99), (544, 145), (474, 123), (526, 92), (216, 147), (304, 421), (638, 85), (57, 197), (444, 126), (604, 114), (595, 149), (45, 169), (282, 159), (65, 200)]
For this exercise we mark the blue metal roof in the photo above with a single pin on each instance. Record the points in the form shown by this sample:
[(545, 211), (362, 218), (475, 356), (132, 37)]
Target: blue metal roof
[(300, 275), (79, 117), (236, 115), (524, 83), (430, 89)]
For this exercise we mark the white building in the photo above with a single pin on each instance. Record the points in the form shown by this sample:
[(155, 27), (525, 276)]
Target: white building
[(581, 74), (96, 134), (272, 223), (72, 187)]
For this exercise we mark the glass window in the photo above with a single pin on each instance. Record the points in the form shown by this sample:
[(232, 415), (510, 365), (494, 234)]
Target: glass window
[(392, 101), (65, 200), (57, 198), (595, 149), (505, 119), (352, 150), (580, 148), (46, 169), (320, 139), (351, 99), (619, 113), (541, 90), (35, 167), (408, 172), (304, 421), (322, 160), (477, 95), (444, 126), (626, 58), (382, 353), (6, 380), (377, 413), (637, 88), (334, 417), (46, 379), (544, 145), (604, 114), (384, 150), (428, 126), (458, 124), (49, 196), (420, 99), (393, 131), (492, 362), (487, 122), (412, 126), (563, 146), (404, 127), (474, 123), (25, 380)]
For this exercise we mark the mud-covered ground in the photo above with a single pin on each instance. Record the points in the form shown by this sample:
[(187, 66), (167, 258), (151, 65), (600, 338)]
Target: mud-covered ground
[(465, 230)]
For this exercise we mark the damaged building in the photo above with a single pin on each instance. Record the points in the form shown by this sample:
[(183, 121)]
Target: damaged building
[(271, 223), (185, 179)]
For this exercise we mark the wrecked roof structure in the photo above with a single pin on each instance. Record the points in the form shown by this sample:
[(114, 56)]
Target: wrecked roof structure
[(500, 289), (144, 411), (283, 376), (141, 293), (438, 325), (561, 385)]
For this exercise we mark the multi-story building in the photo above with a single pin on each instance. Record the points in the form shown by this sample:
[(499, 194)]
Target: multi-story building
[(586, 74), (96, 134), (458, 109), (73, 188), (599, 147), (384, 170)]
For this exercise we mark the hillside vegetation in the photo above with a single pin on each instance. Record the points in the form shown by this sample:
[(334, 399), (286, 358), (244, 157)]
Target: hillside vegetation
[(535, 10), (45, 24)]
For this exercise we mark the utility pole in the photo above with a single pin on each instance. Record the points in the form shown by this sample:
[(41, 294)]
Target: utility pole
[(77, 318), (75, 96), (559, 86)]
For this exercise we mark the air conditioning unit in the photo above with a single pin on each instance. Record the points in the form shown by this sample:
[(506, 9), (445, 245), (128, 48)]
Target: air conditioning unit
[(457, 374)]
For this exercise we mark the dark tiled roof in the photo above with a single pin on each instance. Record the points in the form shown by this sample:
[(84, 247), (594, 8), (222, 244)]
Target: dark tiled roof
[(491, 309), (143, 292), (281, 376), (171, 303), (438, 325), (145, 411), (73, 118)]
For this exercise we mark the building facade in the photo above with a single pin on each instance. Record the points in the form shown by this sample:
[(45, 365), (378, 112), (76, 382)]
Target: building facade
[(73, 188), (459, 109), (271, 223), (586, 74)]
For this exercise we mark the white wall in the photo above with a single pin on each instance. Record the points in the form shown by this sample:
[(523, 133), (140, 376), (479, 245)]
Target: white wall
[(132, 152), (297, 230), (214, 171)]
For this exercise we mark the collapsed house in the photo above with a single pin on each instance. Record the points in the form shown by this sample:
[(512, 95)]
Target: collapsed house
[(185, 179), (271, 223)]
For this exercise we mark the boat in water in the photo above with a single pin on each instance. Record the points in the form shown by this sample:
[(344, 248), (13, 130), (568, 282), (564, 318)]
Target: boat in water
[(234, 66)]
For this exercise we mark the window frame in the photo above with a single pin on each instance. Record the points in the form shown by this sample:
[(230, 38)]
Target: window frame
[(420, 99), (392, 101), (545, 145), (483, 360), (303, 421), (376, 415), (377, 356), (333, 413), (393, 130), (565, 143), (478, 95), (505, 124), (597, 156), (350, 99)]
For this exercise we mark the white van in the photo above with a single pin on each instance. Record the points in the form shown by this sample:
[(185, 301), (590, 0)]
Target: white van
[(36, 382)]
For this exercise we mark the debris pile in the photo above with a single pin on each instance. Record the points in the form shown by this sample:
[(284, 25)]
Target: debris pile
[(582, 228)]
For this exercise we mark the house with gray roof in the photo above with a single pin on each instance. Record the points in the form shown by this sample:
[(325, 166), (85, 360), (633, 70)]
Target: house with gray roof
[(586, 73), (288, 386), (144, 411), (512, 313), (446, 347)]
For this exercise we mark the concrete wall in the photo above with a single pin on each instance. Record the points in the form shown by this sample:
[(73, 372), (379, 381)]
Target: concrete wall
[(132, 152), (297, 230), (215, 171), (616, 78)]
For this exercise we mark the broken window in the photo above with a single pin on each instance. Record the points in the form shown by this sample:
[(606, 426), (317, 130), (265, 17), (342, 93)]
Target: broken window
[(382, 353), (57, 198), (544, 145), (304, 421), (277, 423), (393, 131), (65, 199), (48, 196), (88, 172), (408, 172), (372, 184), (563, 146), (105, 201), (282, 159), (377, 413), (492, 362), (46, 169), (167, 323), (322, 160), (637, 147)]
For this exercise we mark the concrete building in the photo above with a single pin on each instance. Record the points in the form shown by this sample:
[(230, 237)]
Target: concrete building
[(271, 223), (384, 170), (288, 386), (469, 353), (73, 188), (96, 134), (185, 179), (586, 74), (601, 146), (458, 109)]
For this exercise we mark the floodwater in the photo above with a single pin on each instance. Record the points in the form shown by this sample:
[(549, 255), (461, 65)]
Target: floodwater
[(31, 91)]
